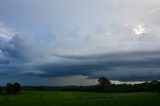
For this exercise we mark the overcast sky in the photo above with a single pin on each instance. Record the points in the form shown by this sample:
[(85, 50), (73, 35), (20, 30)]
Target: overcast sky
[(74, 42)]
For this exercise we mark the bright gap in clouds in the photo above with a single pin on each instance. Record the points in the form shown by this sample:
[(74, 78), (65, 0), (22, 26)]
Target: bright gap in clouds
[(139, 29)]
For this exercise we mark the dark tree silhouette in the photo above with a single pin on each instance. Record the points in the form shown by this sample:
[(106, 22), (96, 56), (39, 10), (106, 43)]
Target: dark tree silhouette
[(9, 88), (155, 86), (104, 82), (16, 87), (13, 88), (1, 90)]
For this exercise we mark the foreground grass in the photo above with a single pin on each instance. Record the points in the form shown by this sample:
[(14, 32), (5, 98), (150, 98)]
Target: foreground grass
[(60, 98)]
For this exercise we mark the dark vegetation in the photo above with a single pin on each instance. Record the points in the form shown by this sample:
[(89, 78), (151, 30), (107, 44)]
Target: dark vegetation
[(104, 85), (10, 88)]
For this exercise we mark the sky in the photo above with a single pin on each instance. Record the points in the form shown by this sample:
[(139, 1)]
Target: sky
[(74, 42)]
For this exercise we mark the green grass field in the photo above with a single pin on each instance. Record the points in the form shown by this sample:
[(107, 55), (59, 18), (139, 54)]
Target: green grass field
[(60, 98)]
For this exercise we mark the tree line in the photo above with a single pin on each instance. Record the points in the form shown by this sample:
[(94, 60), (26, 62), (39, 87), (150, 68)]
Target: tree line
[(104, 85), (10, 88)]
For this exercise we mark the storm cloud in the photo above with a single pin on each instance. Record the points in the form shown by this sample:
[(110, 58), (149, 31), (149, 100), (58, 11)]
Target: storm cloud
[(79, 41)]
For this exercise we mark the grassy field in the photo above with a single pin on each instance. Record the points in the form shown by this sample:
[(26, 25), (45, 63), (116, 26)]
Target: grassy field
[(60, 98)]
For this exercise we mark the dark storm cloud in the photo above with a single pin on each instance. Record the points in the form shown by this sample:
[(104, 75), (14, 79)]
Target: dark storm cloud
[(18, 48), (87, 37), (126, 66), (17, 59), (113, 55)]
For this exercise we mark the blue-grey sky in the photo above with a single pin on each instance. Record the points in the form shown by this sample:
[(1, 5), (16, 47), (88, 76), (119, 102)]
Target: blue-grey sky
[(74, 42)]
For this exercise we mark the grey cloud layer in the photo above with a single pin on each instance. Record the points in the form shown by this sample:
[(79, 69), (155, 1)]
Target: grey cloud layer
[(15, 59), (88, 39)]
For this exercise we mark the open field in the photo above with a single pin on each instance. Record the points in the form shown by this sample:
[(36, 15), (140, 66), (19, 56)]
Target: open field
[(61, 98)]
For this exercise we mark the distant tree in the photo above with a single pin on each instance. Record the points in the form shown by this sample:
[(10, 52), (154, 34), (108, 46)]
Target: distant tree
[(155, 86), (16, 87), (9, 88), (104, 82), (13, 88), (1, 90)]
